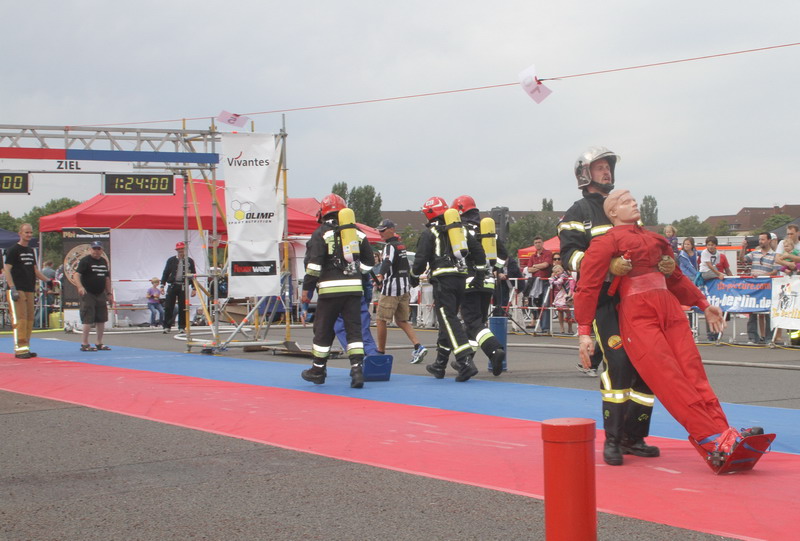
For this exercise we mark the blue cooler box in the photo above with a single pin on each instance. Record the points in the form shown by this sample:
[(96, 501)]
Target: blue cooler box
[(377, 367)]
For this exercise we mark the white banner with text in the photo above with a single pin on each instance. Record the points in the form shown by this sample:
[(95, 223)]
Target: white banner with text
[(254, 212)]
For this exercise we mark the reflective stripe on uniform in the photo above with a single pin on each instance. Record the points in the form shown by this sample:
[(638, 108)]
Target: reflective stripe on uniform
[(340, 283), (642, 398), (320, 352), (600, 230), (576, 226), (575, 260), (313, 269), (15, 328), (483, 336), (340, 289), (449, 270), (616, 396), (458, 348)]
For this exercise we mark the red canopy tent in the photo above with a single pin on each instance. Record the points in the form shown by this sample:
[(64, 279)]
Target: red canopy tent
[(551, 244), (166, 212)]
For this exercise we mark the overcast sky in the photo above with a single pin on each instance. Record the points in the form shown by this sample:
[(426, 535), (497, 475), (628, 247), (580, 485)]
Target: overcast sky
[(704, 138)]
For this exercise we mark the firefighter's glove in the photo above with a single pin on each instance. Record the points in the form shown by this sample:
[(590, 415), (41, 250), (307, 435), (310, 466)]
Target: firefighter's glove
[(667, 265), (620, 266), (413, 281), (14, 294), (477, 280)]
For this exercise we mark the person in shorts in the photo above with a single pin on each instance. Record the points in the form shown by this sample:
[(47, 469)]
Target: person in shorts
[(395, 297), (94, 277)]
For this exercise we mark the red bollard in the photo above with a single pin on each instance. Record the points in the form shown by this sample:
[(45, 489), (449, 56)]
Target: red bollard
[(570, 509)]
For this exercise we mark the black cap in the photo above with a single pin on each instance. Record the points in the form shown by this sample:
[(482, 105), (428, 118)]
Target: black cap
[(97, 244), (386, 224)]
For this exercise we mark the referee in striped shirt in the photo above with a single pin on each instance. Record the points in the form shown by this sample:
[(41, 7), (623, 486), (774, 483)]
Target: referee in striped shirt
[(392, 275)]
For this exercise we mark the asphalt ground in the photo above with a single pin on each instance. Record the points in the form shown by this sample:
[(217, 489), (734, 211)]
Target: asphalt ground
[(70, 472)]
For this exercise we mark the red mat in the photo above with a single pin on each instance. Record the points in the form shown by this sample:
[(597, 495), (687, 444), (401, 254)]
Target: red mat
[(492, 452)]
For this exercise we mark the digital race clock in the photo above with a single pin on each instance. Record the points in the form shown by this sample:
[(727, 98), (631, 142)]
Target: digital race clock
[(14, 182), (138, 184)]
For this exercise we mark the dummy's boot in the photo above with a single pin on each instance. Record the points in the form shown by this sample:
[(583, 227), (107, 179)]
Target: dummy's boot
[(316, 374), (466, 368), (637, 447), (612, 454), (732, 451), (752, 431), (438, 366)]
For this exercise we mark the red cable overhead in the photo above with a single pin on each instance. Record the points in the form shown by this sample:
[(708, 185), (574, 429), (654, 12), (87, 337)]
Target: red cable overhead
[(471, 89)]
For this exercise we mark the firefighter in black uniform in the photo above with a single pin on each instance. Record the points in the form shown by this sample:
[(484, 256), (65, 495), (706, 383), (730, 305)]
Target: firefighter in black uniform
[(478, 297), (448, 274), (627, 400), (339, 287)]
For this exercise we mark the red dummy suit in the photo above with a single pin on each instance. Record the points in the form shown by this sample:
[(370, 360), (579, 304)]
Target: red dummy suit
[(655, 331)]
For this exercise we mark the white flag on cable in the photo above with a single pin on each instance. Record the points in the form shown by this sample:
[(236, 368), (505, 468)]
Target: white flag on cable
[(254, 212)]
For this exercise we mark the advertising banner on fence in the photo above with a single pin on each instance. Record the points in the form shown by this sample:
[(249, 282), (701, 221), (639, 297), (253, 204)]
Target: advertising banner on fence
[(740, 295), (785, 303), (77, 244), (254, 213)]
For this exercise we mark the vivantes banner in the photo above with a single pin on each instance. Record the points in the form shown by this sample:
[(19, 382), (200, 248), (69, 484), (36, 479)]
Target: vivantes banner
[(254, 212)]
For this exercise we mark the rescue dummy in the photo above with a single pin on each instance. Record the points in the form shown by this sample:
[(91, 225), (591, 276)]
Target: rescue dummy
[(657, 337)]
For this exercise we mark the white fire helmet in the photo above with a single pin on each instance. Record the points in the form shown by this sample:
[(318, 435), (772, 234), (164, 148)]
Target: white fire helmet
[(592, 154)]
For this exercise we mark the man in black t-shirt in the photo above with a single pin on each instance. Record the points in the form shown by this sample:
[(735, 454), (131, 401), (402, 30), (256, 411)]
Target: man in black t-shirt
[(94, 279), (21, 273)]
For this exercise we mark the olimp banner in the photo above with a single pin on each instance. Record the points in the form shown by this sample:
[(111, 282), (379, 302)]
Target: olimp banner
[(255, 212)]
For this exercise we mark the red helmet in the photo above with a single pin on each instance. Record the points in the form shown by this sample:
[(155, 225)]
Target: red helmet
[(434, 207), (330, 203), (180, 246), (463, 203)]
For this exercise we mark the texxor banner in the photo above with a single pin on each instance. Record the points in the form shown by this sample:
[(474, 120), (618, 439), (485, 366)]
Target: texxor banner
[(255, 212)]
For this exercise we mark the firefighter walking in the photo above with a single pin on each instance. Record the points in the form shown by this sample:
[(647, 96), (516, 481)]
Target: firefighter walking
[(478, 296), (338, 254), (445, 250)]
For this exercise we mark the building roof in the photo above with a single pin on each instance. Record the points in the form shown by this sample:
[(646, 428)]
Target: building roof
[(751, 218)]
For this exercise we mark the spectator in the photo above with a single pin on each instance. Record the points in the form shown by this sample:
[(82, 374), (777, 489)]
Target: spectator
[(563, 285), (172, 279), (94, 287), (786, 258), (789, 249), (688, 260), (762, 263), (153, 295), (713, 264), (539, 267), (671, 235)]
